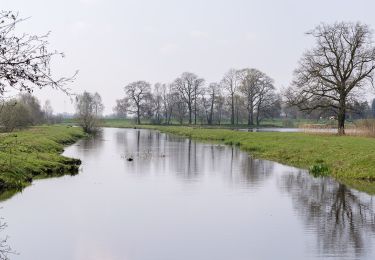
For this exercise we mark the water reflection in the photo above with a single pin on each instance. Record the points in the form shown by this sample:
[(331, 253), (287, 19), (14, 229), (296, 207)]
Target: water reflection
[(182, 199), (5, 249), (255, 171), (188, 159), (343, 219), (92, 145)]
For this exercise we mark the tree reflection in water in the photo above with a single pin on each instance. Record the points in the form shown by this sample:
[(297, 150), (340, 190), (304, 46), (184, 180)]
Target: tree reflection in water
[(188, 159), (92, 143), (254, 171), (5, 249), (343, 219)]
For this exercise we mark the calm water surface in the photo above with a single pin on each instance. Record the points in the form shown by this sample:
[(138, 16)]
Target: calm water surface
[(180, 199)]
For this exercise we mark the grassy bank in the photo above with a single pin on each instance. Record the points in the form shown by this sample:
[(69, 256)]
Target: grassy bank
[(35, 153), (349, 159), (287, 123)]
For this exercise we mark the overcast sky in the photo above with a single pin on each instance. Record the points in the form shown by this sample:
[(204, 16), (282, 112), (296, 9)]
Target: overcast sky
[(115, 42)]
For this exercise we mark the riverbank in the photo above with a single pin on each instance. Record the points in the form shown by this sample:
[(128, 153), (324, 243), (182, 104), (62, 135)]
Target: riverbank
[(276, 123), (350, 160), (35, 153)]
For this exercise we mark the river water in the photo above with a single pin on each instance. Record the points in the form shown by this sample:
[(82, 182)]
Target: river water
[(181, 199)]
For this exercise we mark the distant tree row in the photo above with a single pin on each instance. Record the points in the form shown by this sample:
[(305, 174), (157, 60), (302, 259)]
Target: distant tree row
[(242, 95)]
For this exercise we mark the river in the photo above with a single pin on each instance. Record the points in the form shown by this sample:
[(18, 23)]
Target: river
[(182, 199)]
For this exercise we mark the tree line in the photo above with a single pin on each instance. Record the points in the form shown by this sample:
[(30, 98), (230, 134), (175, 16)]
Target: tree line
[(242, 95), (245, 96)]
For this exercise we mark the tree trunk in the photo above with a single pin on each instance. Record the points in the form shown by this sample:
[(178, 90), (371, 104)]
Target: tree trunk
[(166, 116), (190, 114), (138, 116), (211, 113), (232, 107), (250, 120), (169, 117), (195, 111), (258, 112), (237, 112), (341, 117), (250, 104)]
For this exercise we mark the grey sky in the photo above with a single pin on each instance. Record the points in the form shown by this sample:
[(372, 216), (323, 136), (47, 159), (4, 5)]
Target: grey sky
[(115, 42)]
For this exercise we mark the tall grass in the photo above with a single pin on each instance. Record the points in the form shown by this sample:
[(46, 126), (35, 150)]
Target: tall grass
[(363, 127)]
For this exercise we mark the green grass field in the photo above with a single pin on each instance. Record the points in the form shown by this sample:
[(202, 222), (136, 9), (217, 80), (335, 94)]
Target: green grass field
[(35, 153), (350, 160)]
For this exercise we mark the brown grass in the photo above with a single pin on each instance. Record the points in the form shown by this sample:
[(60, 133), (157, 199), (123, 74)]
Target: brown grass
[(364, 127)]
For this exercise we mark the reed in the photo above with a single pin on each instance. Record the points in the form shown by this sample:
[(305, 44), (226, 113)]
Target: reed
[(364, 127)]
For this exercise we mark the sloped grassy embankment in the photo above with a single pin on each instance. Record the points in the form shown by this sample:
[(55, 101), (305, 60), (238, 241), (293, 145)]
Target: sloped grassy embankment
[(351, 160), (36, 153)]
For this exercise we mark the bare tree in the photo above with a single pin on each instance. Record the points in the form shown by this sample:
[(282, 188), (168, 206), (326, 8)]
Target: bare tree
[(266, 97), (230, 83), (269, 107), (98, 104), (89, 108), (239, 107), (181, 108), (168, 102), (137, 92), (48, 112), (157, 103), (25, 59), (188, 87), (220, 101), (250, 80), (341, 63), (209, 103), (122, 107)]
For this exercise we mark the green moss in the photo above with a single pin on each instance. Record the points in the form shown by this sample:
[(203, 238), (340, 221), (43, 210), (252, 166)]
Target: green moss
[(35, 153)]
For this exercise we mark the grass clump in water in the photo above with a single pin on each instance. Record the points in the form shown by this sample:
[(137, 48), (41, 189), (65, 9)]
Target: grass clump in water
[(319, 169)]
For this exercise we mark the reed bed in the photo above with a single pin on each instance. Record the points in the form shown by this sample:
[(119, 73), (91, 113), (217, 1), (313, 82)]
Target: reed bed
[(365, 128)]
